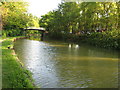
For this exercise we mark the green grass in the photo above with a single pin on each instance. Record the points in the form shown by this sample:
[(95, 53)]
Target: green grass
[(13, 74)]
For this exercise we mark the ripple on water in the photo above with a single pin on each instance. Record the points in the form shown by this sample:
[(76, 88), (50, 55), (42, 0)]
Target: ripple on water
[(63, 65)]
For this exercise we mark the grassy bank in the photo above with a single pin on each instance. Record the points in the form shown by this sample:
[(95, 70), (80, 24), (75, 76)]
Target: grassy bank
[(13, 74)]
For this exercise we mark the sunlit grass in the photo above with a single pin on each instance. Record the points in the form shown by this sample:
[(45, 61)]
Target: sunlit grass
[(13, 74)]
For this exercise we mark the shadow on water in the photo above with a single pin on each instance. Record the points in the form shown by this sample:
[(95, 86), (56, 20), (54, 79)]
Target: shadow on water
[(57, 64)]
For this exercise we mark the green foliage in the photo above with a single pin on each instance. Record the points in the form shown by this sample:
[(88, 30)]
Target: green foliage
[(15, 17), (12, 32), (33, 21), (86, 16), (109, 39)]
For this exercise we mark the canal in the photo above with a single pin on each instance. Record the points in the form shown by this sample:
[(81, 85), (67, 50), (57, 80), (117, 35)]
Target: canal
[(56, 64)]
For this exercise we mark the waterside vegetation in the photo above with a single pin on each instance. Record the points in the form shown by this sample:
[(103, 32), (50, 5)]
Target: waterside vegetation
[(14, 75)]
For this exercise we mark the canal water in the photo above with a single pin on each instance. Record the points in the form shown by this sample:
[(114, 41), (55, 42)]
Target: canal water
[(65, 65)]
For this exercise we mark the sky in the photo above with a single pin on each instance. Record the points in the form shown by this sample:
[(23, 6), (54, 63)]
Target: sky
[(41, 7)]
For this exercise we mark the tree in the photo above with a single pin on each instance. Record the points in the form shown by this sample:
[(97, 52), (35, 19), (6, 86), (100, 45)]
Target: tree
[(86, 16), (15, 16)]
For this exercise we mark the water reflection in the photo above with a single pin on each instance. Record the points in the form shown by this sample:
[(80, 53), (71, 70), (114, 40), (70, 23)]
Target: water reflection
[(59, 65), (73, 45), (70, 45)]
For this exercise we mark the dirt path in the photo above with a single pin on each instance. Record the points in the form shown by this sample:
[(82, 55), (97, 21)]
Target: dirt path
[(3, 40)]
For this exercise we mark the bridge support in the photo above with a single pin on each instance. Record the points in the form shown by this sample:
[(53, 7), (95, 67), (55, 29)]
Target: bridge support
[(24, 32), (42, 36)]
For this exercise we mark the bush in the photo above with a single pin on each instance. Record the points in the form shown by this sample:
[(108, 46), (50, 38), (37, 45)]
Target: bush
[(109, 39), (12, 33)]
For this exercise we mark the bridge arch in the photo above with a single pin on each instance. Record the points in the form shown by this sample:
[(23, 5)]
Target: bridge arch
[(42, 30)]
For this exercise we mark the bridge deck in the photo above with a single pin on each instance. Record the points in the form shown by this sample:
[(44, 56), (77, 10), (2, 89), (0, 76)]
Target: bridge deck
[(36, 29)]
